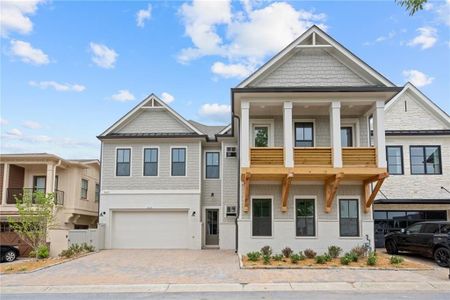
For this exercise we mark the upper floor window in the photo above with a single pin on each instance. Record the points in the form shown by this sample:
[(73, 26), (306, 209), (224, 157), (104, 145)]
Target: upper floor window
[(151, 162), (123, 159), (394, 157), (261, 133), (347, 136), (231, 152), (212, 165), (97, 192), (304, 134), (178, 161), (84, 188), (425, 159)]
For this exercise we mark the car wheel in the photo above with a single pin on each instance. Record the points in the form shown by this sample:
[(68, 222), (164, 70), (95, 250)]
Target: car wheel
[(441, 256), (391, 247), (10, 256)]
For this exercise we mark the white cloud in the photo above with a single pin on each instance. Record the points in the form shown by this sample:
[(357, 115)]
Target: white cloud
[(3, 121), (428, 6), (443, 13), (143, 15), (167, 98), (417, 78), (28, 54), (32, 124), (231, 70), (215, 112), (426, 39), (14, 133), (14, 16), (41, 139), (61, 87), (103, 56), (123, 96)]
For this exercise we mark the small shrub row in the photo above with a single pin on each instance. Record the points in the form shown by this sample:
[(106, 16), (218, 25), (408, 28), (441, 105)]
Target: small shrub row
[(76, 249), (41, 252)]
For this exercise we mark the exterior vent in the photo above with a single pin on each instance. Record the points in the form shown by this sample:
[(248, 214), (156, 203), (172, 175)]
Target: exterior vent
[(231, 211), (231, 152)]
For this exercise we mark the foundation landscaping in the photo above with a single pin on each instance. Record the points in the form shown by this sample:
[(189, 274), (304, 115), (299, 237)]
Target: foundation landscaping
[(358, 258)]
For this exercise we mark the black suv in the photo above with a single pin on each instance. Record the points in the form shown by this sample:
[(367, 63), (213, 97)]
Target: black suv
[(429, 239)]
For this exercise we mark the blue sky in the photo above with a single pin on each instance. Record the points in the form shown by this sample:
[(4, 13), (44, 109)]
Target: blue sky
[(70, 69)]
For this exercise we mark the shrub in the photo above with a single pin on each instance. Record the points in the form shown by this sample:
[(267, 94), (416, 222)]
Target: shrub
[(277, 257), (42, 251), (253, 256), (372, 259), (321, 259), (360, 250), (309, 253), (75, 249), (266, 259), (353, 256), (295, 258), (87, 248), (345, 260), (327, 257), (396, 260), (66, 253), (334, 251), (266, 250), (287, 252), (301, 255)]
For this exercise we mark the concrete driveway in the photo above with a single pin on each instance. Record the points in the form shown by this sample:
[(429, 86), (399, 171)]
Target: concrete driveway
[(193, 266)]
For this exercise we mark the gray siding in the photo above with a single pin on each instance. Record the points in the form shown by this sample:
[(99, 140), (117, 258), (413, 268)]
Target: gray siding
[(230, 176), (210, 186), (311, 67), (160, 121), (139, 182)]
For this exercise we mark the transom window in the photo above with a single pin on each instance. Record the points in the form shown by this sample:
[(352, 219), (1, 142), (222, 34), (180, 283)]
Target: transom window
[(305, 214), (261, 135), (425, 159), (151, 162), (178, 161), (304, 134), (84, 188), (212, 165), (348, 217), (394, 157), (347, 136), (262, 217), (123, 162)]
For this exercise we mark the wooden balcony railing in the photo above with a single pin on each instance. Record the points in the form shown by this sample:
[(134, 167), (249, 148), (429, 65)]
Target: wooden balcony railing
[(309, 156), (266, 156), (359, 157)]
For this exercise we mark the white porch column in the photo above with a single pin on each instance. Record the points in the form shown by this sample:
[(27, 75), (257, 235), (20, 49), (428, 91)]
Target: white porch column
[(5, 183), (245, 134), (335, 133), (50, 179), (288, 135), (378, 133)]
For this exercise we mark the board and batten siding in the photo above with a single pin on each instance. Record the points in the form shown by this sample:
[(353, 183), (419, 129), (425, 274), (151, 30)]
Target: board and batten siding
[(311, 67), (155, 121), (161, 182)]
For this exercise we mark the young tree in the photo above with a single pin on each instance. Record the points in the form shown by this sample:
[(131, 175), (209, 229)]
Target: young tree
[(36, 216), (412, 6)]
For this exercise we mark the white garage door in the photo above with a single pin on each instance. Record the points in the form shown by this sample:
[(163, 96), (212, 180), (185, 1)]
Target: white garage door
[(150, 230)]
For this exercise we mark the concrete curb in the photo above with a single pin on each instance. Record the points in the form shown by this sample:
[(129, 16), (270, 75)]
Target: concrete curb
[(233, 287)]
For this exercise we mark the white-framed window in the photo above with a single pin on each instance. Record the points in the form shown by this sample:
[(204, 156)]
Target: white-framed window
[(230, 152), (348, 217), (231, 211), (305, 217), (151, 156), (212, 165), (261, 217), (84, 188), (262, 133), (178, 161), (123, 161)]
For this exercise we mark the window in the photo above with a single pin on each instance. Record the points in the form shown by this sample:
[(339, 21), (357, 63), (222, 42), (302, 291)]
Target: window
[(416, 228), (262, 217), (84, 188), (348, 217), (347, 136), (123, 162), (304, 132), (39, 184), (305, 213), (261, 136), (231, 210), (394, 156), (445, 229), (425, 159), (97, 192), (231, 152), (178, 162), (430, 228), (150, 162), (212, 165)]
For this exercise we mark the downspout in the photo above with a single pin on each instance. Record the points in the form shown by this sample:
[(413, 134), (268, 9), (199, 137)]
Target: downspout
[(100, 183), (238, 179)]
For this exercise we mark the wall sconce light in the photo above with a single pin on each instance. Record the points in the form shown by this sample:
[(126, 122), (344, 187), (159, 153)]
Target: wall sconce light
[(193, 213), (212, 194), (102, 214)]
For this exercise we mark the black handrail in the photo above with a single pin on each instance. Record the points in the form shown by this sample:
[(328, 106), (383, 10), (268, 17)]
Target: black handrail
[(13, 193)]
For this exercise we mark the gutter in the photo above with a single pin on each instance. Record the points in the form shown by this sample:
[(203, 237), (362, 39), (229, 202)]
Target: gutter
[(238, 208)]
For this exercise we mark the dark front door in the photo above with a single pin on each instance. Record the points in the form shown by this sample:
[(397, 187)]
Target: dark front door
[(212, 227)]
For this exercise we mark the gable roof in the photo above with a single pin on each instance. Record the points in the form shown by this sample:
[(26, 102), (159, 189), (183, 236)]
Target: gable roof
[(314, 34), (432, 107), (209, 130), (154, 101)]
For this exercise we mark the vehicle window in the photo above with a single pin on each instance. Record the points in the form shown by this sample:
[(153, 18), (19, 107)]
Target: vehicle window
[(414, 228), (430, 228), (445, 228)]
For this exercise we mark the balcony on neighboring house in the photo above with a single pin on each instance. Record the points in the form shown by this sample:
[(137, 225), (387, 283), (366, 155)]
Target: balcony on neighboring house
[(19, 193)]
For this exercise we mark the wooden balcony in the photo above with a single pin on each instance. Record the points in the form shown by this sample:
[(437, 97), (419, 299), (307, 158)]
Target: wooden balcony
[(267, 157), (308, 156), (359, 157)]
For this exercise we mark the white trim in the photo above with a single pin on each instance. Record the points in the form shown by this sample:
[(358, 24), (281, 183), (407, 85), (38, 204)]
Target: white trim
[(204, 208), (115, 161), (270, 123), (354, 123), (205, 151), (349, 197), (145, 192), (316, 220), (143, 159), (303, 121), (251, 216), (225, 129), (185, 159)]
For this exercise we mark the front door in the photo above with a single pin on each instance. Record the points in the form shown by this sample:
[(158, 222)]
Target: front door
[(212, 227)]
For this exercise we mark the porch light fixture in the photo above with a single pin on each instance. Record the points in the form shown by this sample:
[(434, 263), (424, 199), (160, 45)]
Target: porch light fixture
[(193, 213)]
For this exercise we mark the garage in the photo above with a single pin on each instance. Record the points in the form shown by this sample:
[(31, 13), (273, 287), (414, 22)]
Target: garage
[(149, 229)]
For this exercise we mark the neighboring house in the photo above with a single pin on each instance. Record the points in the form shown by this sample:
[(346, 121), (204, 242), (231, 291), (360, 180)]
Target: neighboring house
[(75, 184), (296, 167), (418, 159)]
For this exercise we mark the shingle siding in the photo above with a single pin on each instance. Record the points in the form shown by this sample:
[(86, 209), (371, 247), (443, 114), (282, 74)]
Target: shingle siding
[(311, 67), (210, 186), (230, 177)]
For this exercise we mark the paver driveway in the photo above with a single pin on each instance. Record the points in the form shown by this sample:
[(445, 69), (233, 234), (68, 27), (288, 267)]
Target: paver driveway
[(191, 266)]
